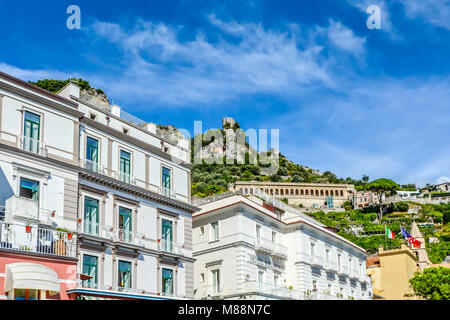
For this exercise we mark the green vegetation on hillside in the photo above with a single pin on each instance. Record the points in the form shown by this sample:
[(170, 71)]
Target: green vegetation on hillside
[(56, 85)]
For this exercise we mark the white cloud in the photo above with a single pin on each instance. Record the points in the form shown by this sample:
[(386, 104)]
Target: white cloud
[(32, 75), (435, 12), (442, 180), (344, 38)]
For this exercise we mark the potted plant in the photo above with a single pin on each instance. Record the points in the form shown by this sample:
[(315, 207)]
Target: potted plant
[(28, 227), (24, 248)]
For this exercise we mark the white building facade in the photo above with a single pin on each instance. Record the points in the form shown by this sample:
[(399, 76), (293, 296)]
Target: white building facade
[(249, 248), (119, 186)]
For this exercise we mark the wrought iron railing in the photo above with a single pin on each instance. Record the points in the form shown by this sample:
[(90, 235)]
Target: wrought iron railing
[(92, 166), (32, 145)]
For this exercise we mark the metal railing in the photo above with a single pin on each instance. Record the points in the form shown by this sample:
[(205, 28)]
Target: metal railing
[(170, 246), (212, 291), (125, 177), (167, 192), (25, 238), (117, 234), (273, 290), (32, 145), (92, 166), (89, 285)]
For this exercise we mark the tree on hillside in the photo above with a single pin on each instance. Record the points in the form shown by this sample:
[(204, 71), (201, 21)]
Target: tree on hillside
[(432, 284), (365, 178), (382, 187)]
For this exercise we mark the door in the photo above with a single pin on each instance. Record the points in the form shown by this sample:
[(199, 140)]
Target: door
[(166, 181), (32, 128), (167, 282), (166, 236), (125, 166), (90, 216), (125, 224), (90, 269), (92, 154), (125, 274)]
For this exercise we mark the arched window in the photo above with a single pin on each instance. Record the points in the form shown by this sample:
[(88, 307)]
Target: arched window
[(297, 192), (251, 190), (342, 193), (301, 192), (332, 193), (241, 190), (277, 192), (246, 191), (282, 192), (326, 193), (271, 192), (317, 193), (306, 192), (321, 193)]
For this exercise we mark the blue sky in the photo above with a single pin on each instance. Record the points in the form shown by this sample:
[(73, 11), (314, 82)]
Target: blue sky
[(345, 98)]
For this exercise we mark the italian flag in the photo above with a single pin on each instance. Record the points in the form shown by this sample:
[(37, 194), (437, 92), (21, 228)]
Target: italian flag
[(389, 233)]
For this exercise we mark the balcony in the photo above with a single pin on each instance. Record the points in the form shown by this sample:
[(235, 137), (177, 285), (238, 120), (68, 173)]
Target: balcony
[(317, 261), (316, 295), (92, 166), (125, 177), (25, 208), (258, 288), (331, 266), (24, 238), (167, 192), (170, 247), (343, 270), (117, 289), (32, 145), (213, 291), (280, 251), (116, 235), (355, 274), (264, 245)]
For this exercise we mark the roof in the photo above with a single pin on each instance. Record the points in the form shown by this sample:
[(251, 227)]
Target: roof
[(236, 199)]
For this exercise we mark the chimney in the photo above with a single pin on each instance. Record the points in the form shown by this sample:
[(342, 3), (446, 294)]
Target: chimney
[(115, 110)]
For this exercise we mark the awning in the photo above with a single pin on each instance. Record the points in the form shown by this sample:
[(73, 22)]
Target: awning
[(24, 275), (83, 297)]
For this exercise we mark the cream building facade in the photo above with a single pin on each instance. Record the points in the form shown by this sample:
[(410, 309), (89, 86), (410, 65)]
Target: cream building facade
[(117, 184), (310, 195), (250, 247)]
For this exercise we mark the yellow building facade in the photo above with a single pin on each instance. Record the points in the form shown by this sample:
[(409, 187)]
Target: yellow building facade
[(391, 274)]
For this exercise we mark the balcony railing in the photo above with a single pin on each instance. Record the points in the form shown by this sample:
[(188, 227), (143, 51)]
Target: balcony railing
[(317, 261), (85, 284), (92, 166), (170, 246), (37, 240), (265, 245), (127, 178), (32, 145), (331, 266), (167, 192), (212, 291), (343, 270), (271, 290), (25, 208), (116, 234)]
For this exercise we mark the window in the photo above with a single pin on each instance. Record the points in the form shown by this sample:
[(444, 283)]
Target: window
[(26, 294), (93, 116), (260, 277), (92, 154), (125, 274), (167, 282), (90, 269), (125, 166), (166, 181), (125, 224), (29, 189), (275, 280), (258, 232), (312, 249), (329, 289), (32, 128), (274, 236), (327, 252), (315, 285), (339, 260), (215, 277), (166, 235), (215, 231), (125, 130), (202, 277), (90, 216), (202, 230)]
